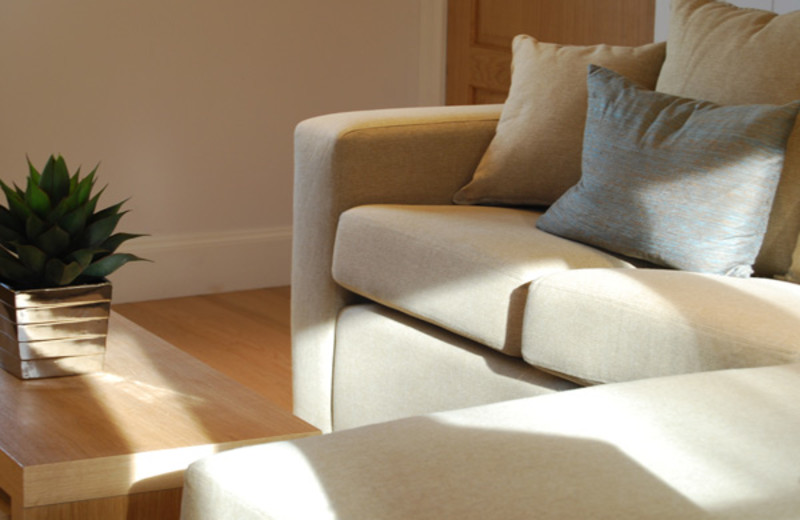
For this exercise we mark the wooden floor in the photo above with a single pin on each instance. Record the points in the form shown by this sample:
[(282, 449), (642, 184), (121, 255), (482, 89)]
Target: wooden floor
[(244, 335)]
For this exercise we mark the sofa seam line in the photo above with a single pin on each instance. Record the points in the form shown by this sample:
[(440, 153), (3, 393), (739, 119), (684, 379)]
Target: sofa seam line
[(351, 131)]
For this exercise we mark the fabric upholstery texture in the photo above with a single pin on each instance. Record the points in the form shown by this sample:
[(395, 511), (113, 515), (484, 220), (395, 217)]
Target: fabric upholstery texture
[(731, 55), (611, 325), (424, 156), (390, 365), (463, 268), (536, 154), (418, 155), (681, 183), (718, 446)]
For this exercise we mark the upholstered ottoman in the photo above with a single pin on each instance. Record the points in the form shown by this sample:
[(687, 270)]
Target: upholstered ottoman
[(719, 445)]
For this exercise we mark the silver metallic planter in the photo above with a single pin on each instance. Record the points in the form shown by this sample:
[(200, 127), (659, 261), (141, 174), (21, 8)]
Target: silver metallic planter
[(54, 332)]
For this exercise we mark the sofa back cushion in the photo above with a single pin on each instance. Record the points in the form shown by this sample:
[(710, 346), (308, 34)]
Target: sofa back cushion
[(731, 55), (535, 155), (678, 182)]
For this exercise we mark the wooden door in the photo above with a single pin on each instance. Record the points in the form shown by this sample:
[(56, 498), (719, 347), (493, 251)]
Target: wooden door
[(479, 34)]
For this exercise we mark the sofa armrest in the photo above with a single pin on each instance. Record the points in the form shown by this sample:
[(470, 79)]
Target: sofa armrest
[(403, 156)]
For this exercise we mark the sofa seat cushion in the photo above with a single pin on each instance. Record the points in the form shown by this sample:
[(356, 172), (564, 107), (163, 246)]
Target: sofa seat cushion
[(610, 325), (389, 365), (714, 446), (541, 125), (463, 268)]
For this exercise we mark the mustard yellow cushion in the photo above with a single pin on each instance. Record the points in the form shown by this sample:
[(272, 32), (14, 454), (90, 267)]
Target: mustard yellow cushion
[(732, 55), (535, 155)]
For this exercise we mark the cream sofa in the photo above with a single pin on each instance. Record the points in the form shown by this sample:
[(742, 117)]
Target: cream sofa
[(440, 277), (404, 303)]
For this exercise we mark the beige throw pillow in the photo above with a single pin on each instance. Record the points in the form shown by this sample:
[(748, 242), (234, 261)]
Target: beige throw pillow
[(535, 155), (732, 55)]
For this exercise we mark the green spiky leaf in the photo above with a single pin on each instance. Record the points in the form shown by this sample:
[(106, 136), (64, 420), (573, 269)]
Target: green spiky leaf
[(58, 273), (108, 212), (107, 265), (32, 257), (11, 269), (9, 227), (34, 227), (54, 241), (84, 188), (51, 233), (84, 257), (7, 219), (33, 173), (74, 222), (100, 230), (16, 203), (91, 204), (37, 199), (8, 234), (114, 241), (55, 179), (48, 174), (78, 197)]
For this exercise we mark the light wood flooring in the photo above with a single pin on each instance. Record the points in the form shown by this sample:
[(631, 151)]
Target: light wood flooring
[(245, 335)]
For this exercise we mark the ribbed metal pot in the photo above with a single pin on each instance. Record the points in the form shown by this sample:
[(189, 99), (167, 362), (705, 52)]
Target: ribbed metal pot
[(54, 332)]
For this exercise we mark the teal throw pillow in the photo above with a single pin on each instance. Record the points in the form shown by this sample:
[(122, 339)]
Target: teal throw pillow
[(678, 182)]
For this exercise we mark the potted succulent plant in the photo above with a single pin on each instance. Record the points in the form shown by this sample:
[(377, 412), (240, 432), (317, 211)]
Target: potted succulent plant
[(56, 250)]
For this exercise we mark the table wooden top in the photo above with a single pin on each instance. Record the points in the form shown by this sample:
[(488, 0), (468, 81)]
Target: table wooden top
[(134, 426)]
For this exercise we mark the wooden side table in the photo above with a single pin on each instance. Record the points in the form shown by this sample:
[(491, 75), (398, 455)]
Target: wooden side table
[(113, 445)]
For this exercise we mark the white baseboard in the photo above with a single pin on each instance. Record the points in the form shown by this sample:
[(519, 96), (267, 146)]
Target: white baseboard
[(204, 263)]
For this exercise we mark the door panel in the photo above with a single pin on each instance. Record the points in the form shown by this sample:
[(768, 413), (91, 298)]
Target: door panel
[(480, 33)]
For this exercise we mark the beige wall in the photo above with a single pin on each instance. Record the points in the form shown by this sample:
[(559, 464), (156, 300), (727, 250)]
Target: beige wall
[(190, 105)]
